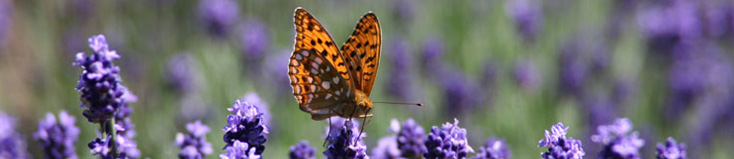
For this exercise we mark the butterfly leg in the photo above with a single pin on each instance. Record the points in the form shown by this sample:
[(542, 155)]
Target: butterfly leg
[(364, 122)]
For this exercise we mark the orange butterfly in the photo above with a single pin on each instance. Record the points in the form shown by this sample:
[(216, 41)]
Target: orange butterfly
[(328, 81)]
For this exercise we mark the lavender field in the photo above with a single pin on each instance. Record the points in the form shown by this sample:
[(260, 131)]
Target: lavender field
[(498, 79)]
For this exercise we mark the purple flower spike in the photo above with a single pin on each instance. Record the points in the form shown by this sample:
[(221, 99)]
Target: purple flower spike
[(255, 39), (302, 151), (386, 148), (410, 139), (11, 143), (262, 107), (181, 73), (218, 16), (345, 140), (560, 147), (57, 138), (449, 141), (617, 141), (194, 145), (245, 125), (671, 150), (528, 17), (99, 84), (494, 148), (527, 76), (240, 150)]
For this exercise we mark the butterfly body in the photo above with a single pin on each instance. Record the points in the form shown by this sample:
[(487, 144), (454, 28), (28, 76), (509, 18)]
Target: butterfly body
[(328, 81)]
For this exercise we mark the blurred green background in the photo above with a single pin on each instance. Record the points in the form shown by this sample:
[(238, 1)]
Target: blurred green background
[(36, 75)]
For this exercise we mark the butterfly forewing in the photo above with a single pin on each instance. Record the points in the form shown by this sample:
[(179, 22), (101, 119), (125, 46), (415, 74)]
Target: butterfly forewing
[(317, 70), (362, 52)]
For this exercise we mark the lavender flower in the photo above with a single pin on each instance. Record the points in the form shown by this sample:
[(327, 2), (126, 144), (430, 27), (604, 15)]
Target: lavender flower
[(671, 150), (99, 84), (494, 148), (528, 17), (302, 151), (449, 141), (11, 143), (6, 20), (105, 98), (669, 25), (403, 11), (527, 76), (218, 16), (345, 140), (181, 73), (194, 144), (262, 107), (410, 139), (57, 138), (560, 147), (461, 94), (245, 125), (399, 83), (617, 142), (240, 150), (386, 148), (255, 39), (432, 54), (573, 71)]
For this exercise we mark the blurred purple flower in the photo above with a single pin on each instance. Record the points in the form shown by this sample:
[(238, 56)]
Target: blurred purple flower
[(410, 139), (101, 91), (560, 147), (573, 70), (624, 89), (181, 73), (386, 148), (494, 148), (432, 56), (527, 16), (461, 94), (302, 151), (698, 73), (11, 143), (403, 11), (218, 16), (262, 107), (449, 141), (527, 76), (245, 125), (669, 24), (719, 19), (57, 138), (193, 144), (240, 150), (671, 150), (345, 140), (6, 21), (274, 69), (255, 39), (617, 141), (600, 109), (399, 83)]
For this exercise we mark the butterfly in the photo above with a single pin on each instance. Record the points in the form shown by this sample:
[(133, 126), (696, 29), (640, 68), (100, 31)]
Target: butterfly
[(328, 81)]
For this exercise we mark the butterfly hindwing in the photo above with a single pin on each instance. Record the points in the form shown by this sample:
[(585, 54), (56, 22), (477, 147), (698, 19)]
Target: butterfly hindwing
[(362, 52), (317, 70)]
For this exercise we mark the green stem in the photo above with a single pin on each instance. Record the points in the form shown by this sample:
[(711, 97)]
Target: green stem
[(113, 138)]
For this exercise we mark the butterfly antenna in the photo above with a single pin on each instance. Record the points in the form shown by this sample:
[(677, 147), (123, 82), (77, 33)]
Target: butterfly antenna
[(398, 103)]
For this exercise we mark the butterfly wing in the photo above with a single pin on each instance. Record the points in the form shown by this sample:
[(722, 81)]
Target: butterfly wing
[(362, 52), (316, 69)]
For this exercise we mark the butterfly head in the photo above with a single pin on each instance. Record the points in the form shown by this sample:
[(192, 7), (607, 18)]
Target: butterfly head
[(363, 101)]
